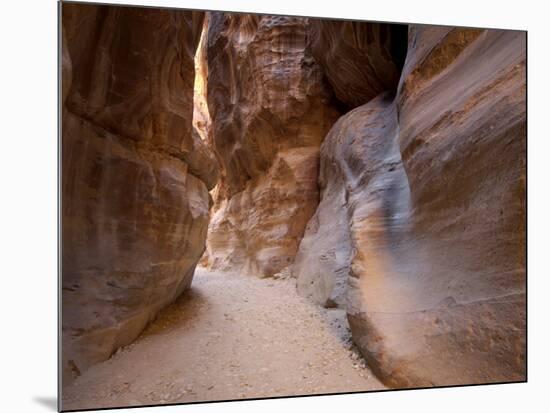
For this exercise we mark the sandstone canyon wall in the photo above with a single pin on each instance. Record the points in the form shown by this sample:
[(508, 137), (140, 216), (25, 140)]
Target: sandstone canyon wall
[(384, 169), (270, 108), (360, 59), (135, 175), (431, 264)]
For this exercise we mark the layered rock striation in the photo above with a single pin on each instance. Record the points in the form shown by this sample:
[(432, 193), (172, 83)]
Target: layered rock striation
[(431, 264), (135, 174), (360, 59), (270, 108)]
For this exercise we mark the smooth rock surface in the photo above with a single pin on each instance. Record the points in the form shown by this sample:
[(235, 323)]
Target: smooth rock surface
[(435, 199), (459, 277), (321, 267), (270, 110), (135, 177)]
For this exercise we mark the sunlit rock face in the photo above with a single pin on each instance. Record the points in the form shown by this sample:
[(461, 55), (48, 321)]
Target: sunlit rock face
[(135, 175), (270, 110), (431, 266), (201, 114), (360, 59)]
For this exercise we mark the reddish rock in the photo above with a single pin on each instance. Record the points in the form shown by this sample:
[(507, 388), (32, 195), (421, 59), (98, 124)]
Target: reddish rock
[(270, 110), (360, 59), (257, 231), (434, 183), (135, 177)]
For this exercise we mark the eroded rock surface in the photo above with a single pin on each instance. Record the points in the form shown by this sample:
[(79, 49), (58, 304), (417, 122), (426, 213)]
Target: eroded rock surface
[(360, 59), (270, 110), (135, 175), (435, 199), (258, 230)]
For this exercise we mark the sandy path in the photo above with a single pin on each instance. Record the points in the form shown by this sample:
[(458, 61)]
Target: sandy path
[(229, 337)]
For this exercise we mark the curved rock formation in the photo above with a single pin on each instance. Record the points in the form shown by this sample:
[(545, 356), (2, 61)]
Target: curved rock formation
[(359, 160), (270, 110), (360, 59), (433, 275), (135, 176)]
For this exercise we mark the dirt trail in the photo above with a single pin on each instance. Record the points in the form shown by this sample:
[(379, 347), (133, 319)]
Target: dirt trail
[(229, 337)]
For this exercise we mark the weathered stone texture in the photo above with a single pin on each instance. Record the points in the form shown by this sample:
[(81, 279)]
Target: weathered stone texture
[(270, 110), (360, 59), (135, 177)]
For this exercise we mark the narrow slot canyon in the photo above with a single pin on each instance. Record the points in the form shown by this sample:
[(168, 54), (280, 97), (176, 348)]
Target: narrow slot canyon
[(263, 206)]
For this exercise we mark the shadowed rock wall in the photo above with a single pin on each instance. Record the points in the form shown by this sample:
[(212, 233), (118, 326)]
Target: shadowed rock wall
[(360, 59), (135, 175)]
